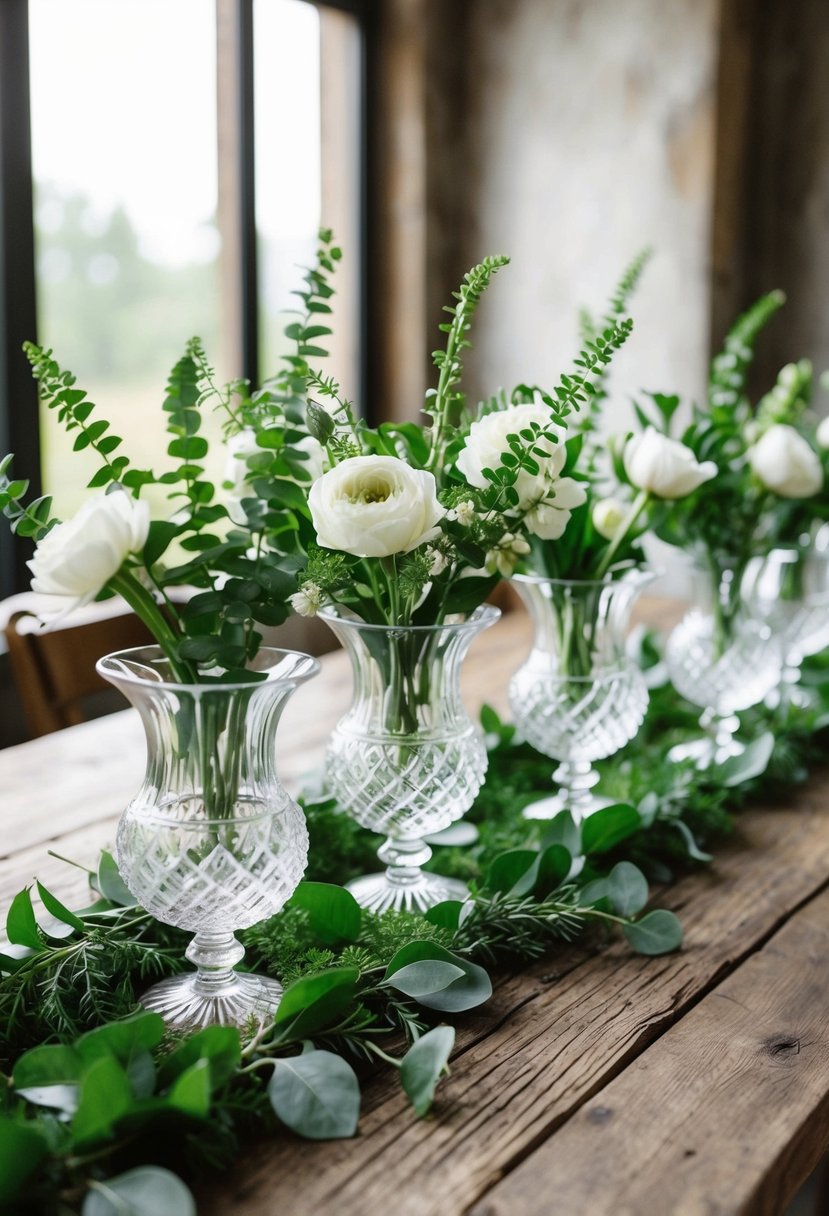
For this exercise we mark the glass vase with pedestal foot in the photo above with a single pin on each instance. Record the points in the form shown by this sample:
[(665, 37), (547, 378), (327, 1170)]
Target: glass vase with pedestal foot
[(722, 657), (406, 760), (212, 842), (789, 588), (579, 697)]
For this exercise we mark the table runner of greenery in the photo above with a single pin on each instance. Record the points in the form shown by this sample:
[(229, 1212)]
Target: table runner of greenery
[(89, 1082)]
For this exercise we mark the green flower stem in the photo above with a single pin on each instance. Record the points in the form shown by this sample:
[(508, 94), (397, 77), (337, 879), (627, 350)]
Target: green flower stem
[(144, 606), (637, 507)]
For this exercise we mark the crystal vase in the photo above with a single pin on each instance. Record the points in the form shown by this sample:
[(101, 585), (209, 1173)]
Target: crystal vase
[(789, 588), (724, 657), (212, 842), (579, 697), (406, 760)]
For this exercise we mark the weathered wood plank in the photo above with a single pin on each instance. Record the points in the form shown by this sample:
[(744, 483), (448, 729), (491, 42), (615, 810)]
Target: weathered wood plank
[(727, 1113), (556, 1035)]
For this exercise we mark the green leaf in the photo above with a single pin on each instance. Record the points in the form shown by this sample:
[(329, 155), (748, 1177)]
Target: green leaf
[(161, 534), (554, 865), (105, 1096), (425, 978), (751, 763), (465, 992), (219, 1045), (627, 889), (191, 1090), (691, 845), (146, 1191), (315, 1002), (507, 869), (123, 1039), (423, 1065), (22, 1149), (111, 884), (446, 915), (605, 828), (565, 831), (53, 905), (317, 1095), (21, 926), (49, 1064), (334, 915), (659, 932)]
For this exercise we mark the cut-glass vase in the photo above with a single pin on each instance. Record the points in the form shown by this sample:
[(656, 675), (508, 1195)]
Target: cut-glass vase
[(789, 588), (406, 760), (579, 697), (212, 842), (723, 657)]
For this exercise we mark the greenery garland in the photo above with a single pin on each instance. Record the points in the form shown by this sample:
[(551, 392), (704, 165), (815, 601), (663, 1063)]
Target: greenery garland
[(88, 1080)]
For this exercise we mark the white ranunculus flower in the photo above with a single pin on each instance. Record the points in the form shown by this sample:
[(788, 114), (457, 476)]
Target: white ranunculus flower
[(548, 519), (784, 462), (608, 516), (237, 474), (77, 558), (487, 443), (823, 432), (375, 506), (665, 467)]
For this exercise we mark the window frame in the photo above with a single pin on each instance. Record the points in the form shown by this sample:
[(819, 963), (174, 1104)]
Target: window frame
[(19, 406)]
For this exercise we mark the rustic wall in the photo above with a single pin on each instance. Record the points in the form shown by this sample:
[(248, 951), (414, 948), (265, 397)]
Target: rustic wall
[(590, 132)]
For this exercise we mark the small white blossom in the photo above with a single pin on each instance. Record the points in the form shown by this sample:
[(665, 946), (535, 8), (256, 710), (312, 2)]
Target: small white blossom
[(608, 516), (463, 513), (438, 561), (307, 601), (505, 556)]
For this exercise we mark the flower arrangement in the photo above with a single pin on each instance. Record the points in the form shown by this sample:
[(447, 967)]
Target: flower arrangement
[(404, 523)]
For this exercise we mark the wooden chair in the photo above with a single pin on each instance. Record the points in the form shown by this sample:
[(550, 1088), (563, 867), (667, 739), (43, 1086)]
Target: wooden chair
[(54, 671)]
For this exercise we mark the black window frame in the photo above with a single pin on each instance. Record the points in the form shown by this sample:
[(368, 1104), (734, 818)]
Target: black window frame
[(19, 409)]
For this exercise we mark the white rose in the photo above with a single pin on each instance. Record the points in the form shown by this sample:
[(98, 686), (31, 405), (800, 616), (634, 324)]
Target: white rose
[(487, 443), (823, 432), (784, 462), (374, 506), (77, 558), (243, 445), (664, 466), (608, 516)]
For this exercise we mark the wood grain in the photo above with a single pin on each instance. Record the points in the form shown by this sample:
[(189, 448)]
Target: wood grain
[(728, 1112), (551, 1038)]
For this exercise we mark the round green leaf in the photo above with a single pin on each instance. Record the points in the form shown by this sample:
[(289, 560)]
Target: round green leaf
[(425, 978), (146, 1191), (22, 1148), (509, 869), (423, 1065), (314, 1002), (627, 888), (317, 1095), (446, 914), (468, 990), (659, 932)]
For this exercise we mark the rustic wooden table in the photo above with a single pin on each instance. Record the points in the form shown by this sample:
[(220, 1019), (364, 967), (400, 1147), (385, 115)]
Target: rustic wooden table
[(693, 1084)]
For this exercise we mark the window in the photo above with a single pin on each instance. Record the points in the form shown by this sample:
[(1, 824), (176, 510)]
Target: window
[(162, 211)]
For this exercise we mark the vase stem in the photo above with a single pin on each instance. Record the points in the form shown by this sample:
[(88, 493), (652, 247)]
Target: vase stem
[(403, 860), (214, 955)]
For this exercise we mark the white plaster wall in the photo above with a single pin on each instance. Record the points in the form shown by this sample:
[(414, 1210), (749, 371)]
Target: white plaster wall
[(590, 134)]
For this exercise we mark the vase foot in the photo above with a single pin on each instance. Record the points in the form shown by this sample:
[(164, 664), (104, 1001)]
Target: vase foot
[(184, 1001), (378, 893), (548, 808), (705, 752)]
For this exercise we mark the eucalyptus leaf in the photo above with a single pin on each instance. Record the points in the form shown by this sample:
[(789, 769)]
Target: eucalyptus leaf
[(423, 1065), (465, 992), (105, 1096), (554, 866), (190, 1091), (658, 932), (627, 889), (111, 884), (563, 830), (425, 978), (146, 1191), (317, 1095), (21, 925), (220, 1046), (50, 1064), (508, 869), (445, 915), (123, 1039)]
